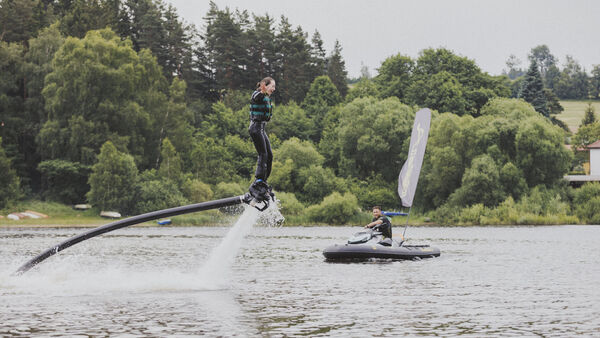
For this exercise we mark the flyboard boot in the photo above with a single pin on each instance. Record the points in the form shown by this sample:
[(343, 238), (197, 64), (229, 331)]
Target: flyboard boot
[(259, 195)]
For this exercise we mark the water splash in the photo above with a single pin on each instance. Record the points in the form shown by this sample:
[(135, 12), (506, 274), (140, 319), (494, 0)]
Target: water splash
[(216, 269), (93, 276)]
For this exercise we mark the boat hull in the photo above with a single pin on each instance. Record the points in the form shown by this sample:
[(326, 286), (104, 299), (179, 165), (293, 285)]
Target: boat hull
[(367, 251)]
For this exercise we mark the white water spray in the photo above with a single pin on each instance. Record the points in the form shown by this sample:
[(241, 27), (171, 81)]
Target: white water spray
[(215, 271)]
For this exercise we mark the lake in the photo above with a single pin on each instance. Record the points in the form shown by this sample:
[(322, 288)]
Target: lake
[(273, 281)]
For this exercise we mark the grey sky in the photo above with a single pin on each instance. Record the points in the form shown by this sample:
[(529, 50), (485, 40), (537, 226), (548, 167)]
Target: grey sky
[(484, 30)]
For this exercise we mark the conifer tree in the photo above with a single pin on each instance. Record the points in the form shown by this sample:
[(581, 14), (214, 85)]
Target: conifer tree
[(589, 116), (336, 69), (532, 89), (318, 56)]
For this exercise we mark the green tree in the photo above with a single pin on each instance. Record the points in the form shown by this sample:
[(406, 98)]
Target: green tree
[(9, 182), (113, 180), (336, 69), (13, 125), (586, 135), (291, 121), (363, 88), (170, 164), (293, 64), (318, 182), (38, 63), (395, 76), (154, 194), (64, 181), (553, 106), (573, 81), (321, 96), (480, 184), (335, 209), (543, 58), (587, 203), (197, 191), (225, 44), (81, 16), (460, 75), (590, 115), (228, 189), (100, 89), (176, 123), (514, 67), (292, 157), (372, 137), (532, 89), (318, 56), (18, 20), (441, 92), (595, 82), (262, 49), (513, 181), (541, 153)]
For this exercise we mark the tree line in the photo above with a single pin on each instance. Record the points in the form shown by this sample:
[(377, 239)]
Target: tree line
[(571, 82), (121, 104)]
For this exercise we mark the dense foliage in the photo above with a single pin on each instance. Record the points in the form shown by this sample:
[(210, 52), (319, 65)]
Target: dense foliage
[(121, 103)]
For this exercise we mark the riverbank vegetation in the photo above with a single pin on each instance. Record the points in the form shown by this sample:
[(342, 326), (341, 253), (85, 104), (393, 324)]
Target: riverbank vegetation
[(122, 105)]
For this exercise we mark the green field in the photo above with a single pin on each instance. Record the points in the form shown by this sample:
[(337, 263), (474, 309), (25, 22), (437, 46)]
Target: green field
[(574, 111)]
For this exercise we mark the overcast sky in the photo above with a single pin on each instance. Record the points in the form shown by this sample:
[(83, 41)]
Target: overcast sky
[(484, 30)]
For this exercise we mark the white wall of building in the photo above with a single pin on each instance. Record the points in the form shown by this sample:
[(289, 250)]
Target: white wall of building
[(594, 161)]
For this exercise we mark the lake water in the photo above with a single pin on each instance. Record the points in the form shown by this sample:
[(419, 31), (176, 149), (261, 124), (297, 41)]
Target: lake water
[(499, 281)]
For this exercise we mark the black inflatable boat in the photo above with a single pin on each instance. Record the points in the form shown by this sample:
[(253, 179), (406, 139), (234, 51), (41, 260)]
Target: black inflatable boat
[(369, 244)]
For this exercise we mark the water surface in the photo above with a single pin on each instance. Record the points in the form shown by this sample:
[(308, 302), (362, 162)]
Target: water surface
[(518, 281)]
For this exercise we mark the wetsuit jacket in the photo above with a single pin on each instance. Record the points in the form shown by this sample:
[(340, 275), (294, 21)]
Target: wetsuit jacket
[(385, 227), (261, 107)]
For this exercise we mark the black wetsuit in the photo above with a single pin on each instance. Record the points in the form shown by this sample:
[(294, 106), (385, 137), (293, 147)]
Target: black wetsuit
[(385, 227), (260, 113)]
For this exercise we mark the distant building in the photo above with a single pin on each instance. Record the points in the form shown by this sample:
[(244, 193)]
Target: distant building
[(594, 158), (592, 169)]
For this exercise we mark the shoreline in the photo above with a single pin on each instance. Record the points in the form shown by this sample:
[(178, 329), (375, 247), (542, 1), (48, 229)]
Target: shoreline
[(151, 224)]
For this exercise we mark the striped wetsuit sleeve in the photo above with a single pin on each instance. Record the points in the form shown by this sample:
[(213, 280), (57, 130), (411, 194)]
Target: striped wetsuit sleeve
[(257, 96)]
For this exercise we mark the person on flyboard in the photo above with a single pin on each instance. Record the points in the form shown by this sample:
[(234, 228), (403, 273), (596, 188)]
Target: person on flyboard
[(261, 110)]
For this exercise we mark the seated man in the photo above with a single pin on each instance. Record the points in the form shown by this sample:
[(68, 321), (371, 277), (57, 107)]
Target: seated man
[(381, 223)]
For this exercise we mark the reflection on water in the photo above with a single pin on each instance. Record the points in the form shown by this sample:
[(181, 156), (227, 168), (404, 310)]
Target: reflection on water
[(522, 281)]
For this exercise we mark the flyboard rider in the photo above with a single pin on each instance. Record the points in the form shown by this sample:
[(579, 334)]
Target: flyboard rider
[(261, 110)]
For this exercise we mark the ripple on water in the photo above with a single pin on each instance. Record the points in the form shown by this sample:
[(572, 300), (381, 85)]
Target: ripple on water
[(520, 281)]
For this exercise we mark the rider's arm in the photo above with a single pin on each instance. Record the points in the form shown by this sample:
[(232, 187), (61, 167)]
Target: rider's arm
[(372, 224)]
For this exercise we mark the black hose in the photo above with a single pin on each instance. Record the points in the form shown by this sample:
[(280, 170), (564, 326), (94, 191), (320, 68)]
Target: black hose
[(131, 221)]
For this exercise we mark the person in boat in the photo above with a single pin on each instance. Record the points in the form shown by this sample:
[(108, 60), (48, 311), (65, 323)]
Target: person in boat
[(261, 110), (381, 223)]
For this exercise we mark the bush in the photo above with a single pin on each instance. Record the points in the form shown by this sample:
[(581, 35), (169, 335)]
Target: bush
[(64, 181), (335, 209), (197, 191), (289, 203), (317, 182), (231, 189), (157, 195), (474, 214), (587, 203), (113, 180)]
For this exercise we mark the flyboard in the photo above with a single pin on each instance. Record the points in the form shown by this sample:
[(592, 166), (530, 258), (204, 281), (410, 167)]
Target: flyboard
[(259, 196), (369, 243)]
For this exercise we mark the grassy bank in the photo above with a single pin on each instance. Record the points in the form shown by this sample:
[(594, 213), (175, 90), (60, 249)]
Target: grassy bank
[(574, 112), (61, 215)]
